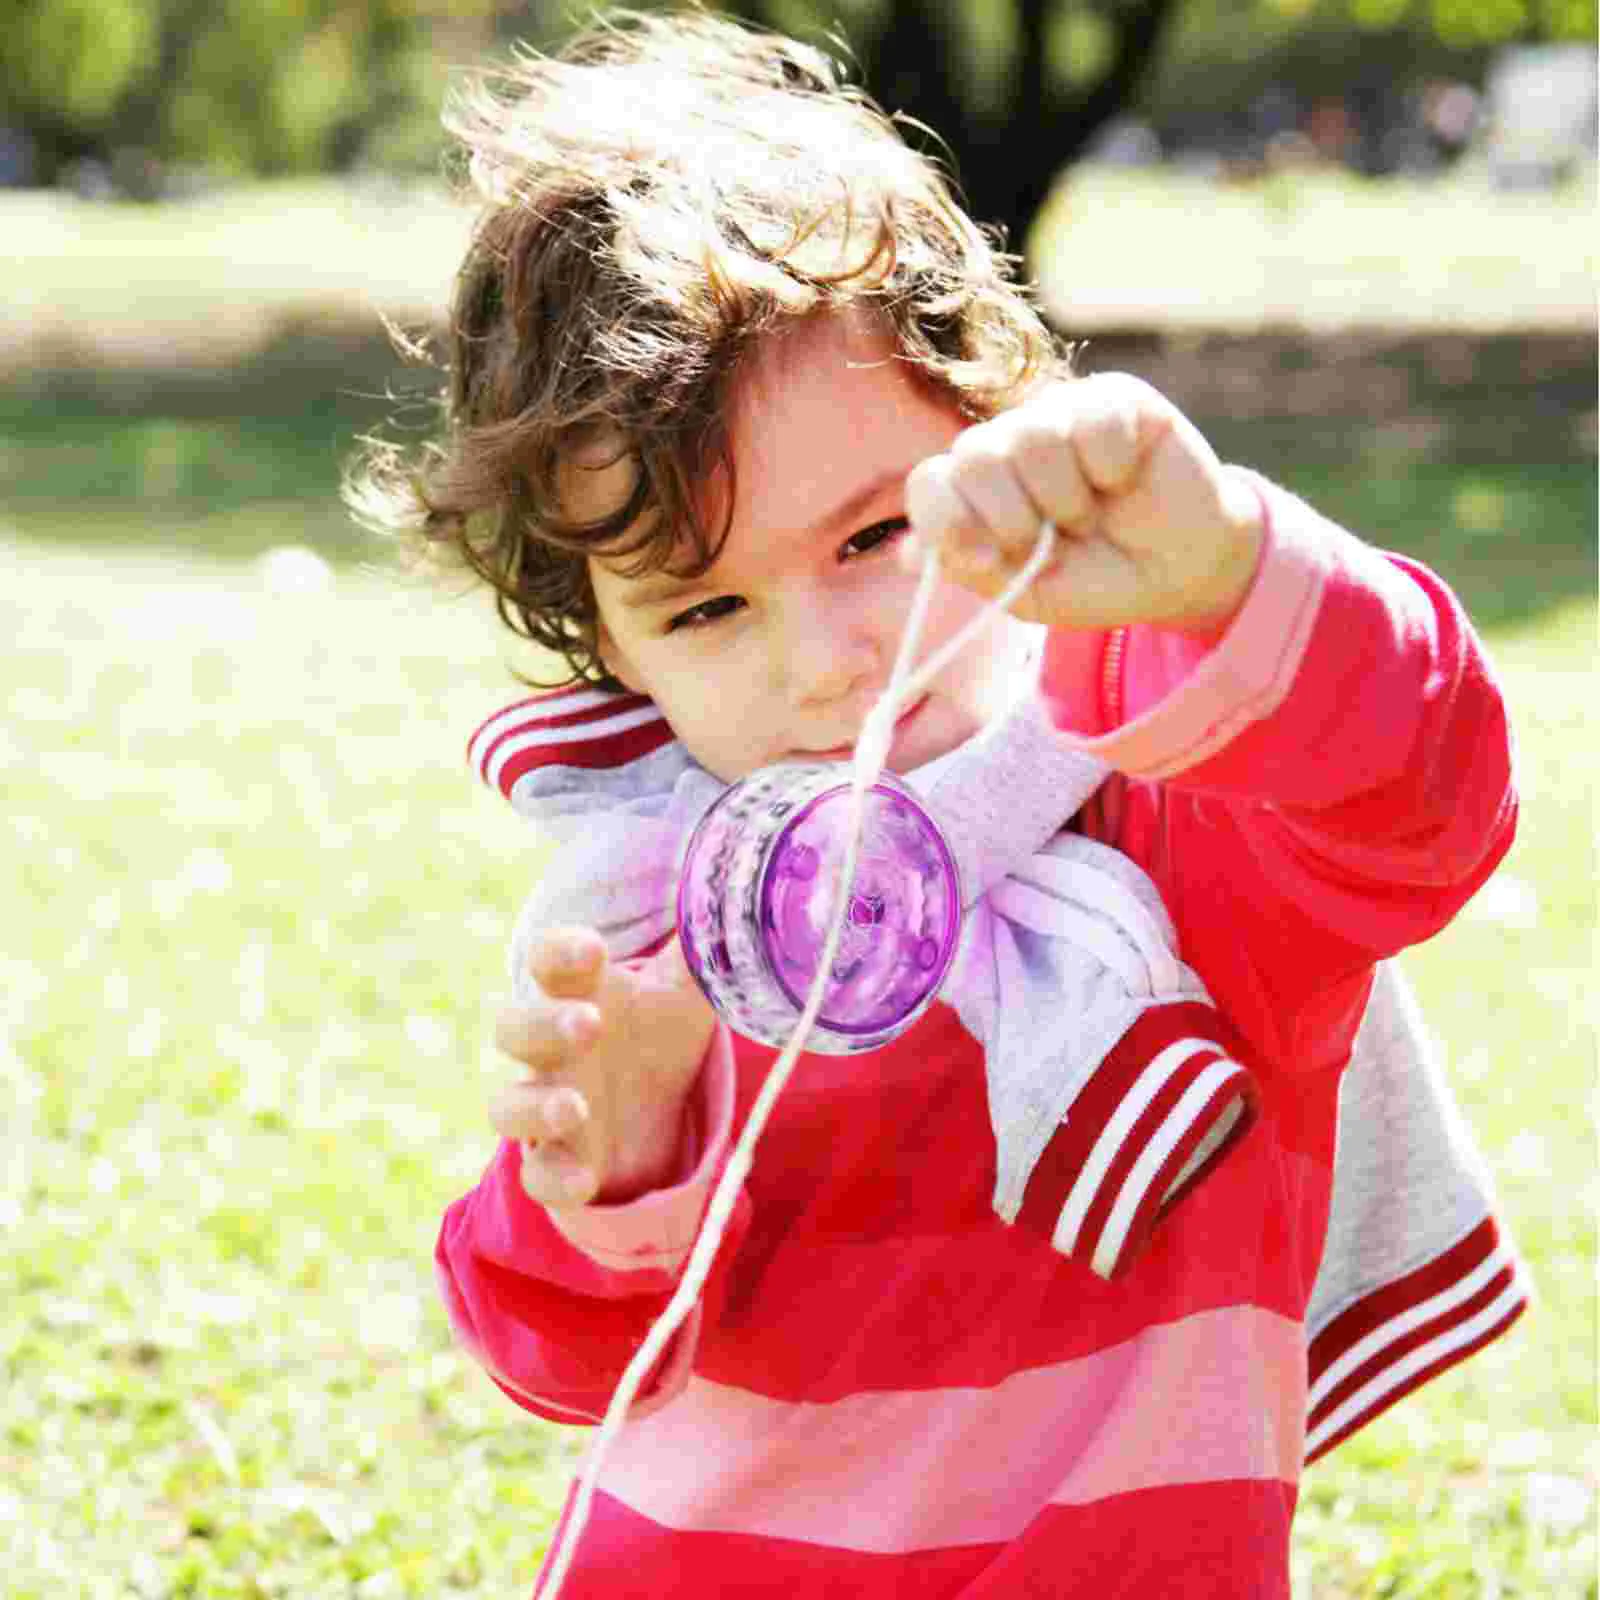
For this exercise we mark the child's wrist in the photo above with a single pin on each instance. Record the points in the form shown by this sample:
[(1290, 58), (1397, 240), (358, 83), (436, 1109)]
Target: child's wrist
[(1244, 522)]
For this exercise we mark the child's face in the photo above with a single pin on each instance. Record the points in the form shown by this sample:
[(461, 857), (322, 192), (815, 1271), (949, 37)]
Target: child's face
[(778, 653)]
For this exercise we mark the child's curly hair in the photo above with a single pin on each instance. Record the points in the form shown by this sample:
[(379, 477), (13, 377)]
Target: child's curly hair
[(656, 197)]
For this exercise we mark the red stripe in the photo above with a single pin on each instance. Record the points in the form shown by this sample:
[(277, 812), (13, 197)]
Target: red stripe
[(1189, 1542), (494, 716), (610, 750), (541, 708), (1240, 1087), (1351, 1326), (1415, 1381), (840, 1194), (1116, 1078), (1399, 1348), (1128, 1153), (543, 714), (1091, 1234)]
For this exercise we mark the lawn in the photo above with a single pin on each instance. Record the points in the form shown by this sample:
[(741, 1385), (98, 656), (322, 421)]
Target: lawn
[(1326, 251), (244, 1048), (259, 910)]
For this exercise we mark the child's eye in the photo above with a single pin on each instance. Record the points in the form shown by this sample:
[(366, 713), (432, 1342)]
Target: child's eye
[(879, 533), (707, 612), (857, 545)]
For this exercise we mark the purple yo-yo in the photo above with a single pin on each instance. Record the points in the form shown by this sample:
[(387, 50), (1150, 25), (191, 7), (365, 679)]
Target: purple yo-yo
[(754, 893)]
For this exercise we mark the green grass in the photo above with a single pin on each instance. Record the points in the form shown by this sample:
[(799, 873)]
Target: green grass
[(242, 1046), (258, 906), (1322, 250), (1516, 539), (214, 272), (215, 460), (220, 460), (258, 909)]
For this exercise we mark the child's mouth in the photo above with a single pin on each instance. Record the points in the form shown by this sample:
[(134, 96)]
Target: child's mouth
[(843, 752)]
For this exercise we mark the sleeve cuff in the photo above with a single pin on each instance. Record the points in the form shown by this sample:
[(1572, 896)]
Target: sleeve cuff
[(1406, 1331), (656, 1231), (1164, 1107), (1183, 700)]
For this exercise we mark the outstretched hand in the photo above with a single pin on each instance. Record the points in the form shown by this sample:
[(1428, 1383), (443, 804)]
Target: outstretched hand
[(1151, 527), (612, 1050)]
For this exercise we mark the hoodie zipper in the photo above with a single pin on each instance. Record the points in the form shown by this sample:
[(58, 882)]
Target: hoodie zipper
[(1111, 678)]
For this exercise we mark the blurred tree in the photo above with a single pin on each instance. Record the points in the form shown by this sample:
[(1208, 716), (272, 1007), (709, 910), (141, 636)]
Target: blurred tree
[(1223, 57), (1016, 89), (234, 86), (65, 66)]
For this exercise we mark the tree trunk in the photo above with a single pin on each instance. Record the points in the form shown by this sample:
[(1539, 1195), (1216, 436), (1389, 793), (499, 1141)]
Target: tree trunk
[(1008, 170), (1138, 39), (1005, 165)]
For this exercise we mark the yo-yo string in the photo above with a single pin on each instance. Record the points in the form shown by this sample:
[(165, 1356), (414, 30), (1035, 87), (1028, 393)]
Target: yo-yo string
[(870, 754)]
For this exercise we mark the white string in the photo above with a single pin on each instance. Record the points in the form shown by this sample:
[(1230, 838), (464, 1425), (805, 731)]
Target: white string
[(871, 751)]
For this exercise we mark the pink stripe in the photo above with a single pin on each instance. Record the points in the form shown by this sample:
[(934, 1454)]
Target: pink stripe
[(1246, 676), (1190, 1543), (1216, 1396)]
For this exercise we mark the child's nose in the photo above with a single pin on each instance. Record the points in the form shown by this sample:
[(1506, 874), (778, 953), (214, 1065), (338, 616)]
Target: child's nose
[(833, 653)]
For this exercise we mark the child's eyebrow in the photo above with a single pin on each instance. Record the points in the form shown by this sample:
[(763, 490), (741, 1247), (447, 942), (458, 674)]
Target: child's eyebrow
[(667, 587)]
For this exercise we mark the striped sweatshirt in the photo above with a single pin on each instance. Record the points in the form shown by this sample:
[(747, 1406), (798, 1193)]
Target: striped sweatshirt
[(888, 1391)]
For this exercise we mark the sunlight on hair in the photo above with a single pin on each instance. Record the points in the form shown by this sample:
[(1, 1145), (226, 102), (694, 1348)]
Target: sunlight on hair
[(654, 201)]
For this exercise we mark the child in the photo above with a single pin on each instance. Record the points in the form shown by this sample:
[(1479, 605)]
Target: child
[(723, 349)]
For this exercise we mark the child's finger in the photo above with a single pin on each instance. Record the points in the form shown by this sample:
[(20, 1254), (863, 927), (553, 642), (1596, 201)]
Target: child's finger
[(532, 1113), (986, 479), (943, 519), (553, 1175), (568, 962), (1113, 428), (936, 512), (543, 1033), (1052, 475)]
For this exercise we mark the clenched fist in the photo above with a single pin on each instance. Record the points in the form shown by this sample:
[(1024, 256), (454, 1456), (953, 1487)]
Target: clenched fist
[(1150, 526), (612, 1051)]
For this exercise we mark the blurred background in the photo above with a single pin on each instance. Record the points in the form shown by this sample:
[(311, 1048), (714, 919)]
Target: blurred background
[(256, 909)]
